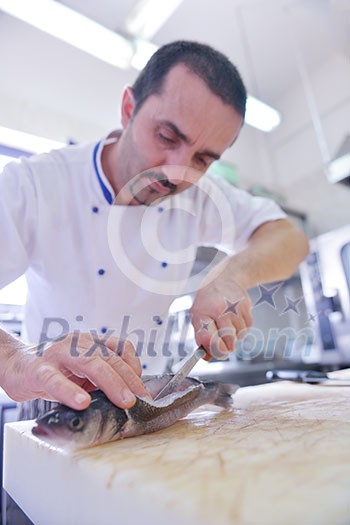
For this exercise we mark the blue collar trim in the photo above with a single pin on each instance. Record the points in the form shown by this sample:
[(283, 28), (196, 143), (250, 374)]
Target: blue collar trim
[(107, 194)]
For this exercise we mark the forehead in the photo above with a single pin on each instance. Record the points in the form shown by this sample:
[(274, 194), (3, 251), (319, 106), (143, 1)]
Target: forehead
[(187, 101)]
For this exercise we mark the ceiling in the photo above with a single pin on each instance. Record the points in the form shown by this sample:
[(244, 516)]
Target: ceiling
[(54, 90), (261, 37)]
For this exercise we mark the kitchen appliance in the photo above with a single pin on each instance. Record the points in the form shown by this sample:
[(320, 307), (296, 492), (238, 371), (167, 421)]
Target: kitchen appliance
[(314, 377), (325, 276)]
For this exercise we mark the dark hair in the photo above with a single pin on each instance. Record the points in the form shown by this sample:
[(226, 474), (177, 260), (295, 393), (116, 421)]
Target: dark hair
[(214, 68)]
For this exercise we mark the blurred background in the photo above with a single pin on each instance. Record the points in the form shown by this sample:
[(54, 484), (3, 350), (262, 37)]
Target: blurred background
[(293, 56)]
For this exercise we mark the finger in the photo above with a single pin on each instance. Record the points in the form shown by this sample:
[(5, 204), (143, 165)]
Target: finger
[(227, 332), (208, 337), (127, 352), (127, 372), (131, 359), (115, 377), (247, 316), (84, 383), (242, 318), (244, 327), (218, 349), (127, 367), (52, 384), (236, 320), (204, 330)]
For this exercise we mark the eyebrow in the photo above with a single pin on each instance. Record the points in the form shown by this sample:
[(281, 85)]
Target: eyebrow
[(184, 138)]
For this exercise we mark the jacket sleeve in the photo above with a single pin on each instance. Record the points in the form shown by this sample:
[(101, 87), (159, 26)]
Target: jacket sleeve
[(17, 221), (230, 215)]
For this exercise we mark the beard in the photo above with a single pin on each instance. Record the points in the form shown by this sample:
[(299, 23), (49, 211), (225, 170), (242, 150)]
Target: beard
[(150, 187)]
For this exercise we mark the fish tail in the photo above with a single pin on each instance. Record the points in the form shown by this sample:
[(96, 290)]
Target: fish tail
[(223, 396)]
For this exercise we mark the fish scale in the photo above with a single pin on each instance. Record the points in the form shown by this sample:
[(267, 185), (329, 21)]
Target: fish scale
[(103, 421)]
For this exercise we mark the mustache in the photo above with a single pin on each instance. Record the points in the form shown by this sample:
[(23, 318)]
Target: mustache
[(162, 179)]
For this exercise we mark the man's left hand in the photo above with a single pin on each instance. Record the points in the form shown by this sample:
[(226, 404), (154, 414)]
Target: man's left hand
[(220, 313)]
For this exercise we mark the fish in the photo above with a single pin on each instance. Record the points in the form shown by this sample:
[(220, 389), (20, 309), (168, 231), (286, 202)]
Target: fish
[(103, 421)]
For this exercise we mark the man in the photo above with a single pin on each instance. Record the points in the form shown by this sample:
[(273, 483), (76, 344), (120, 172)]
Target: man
[(107, 234)]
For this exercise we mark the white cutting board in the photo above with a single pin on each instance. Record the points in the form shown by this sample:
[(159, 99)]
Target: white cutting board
[(281, 457)]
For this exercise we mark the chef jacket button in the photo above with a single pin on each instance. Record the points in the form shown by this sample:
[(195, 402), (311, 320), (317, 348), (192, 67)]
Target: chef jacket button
[(157, 319), (95, 209), (164, 264), (103, 330), (101, 271), (160, 209), (144, 366)]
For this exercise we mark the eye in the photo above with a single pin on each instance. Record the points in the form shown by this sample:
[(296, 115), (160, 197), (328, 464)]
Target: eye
[(202, 161), (166, 139), (76, 423)]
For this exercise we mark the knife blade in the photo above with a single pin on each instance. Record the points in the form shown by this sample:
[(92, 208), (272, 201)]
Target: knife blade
[(306, 376), (183, 372)]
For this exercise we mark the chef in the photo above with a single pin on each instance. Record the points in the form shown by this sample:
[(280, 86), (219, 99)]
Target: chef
[(106, 234)]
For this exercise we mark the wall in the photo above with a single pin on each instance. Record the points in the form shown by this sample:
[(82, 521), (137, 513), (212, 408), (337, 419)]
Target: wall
[(300, 172), (289, 162), (45, 121), (79, 99), (52, 89)]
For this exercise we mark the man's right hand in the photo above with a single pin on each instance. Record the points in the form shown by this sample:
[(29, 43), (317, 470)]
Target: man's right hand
[(66, 376)]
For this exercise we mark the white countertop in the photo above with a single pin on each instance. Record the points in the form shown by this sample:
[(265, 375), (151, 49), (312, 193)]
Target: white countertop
[(282, 456)]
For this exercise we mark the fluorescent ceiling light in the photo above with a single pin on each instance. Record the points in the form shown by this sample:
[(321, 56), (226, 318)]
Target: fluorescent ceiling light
[(73, 28), (339, 168), (260, 115), (148, 16), (143, 52), (26, 141)]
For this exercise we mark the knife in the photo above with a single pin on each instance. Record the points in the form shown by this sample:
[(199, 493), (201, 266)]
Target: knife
[(183, 372), (306, 376)]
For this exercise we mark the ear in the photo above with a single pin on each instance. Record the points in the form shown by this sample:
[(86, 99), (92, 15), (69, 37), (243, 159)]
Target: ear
[(128, 105)]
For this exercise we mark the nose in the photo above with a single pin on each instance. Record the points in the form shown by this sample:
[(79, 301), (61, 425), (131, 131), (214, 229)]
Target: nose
[(179, 167), (181, 156), (174, 173)]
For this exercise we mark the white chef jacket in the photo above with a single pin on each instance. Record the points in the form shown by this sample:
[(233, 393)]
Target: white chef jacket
[(91, 265)]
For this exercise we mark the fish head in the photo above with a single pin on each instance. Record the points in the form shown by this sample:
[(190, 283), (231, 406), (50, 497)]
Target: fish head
[(64, 426), (61, 424)]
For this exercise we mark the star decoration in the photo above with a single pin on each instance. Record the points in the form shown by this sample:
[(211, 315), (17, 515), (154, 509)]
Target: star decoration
[(311, 317), (266, 295), (231, 307), (292, 305), (205, 325)]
